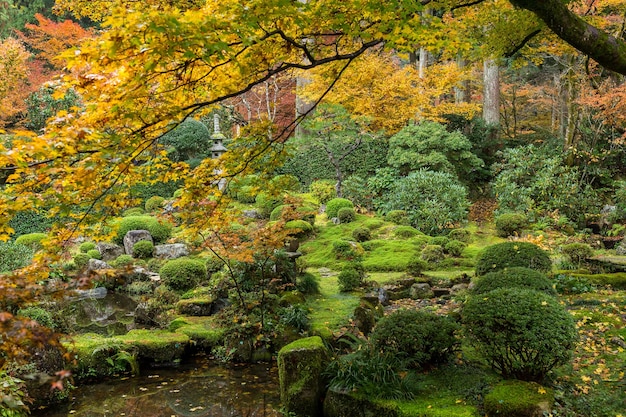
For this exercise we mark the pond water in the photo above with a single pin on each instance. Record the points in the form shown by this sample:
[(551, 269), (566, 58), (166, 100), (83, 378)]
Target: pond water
[(199, 388)]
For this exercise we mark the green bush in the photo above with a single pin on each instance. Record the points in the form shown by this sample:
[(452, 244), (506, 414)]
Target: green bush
[(398, 217), (25, 222), (346, 215), (432, 253), (333, 206), (454, 248), (144, 249), (510, 224), (86, 247), (266, 203), (213, 265), (568, 284), (510, 254), (462, 235), (41, 316), (32, 240), (419, 337), (405, 232), (577, 252), (286, 182), (122, 261), (308, 283), (349, 279), (94, 254), (182, 274), (522, 334), (346, 250), (361, 234), (514, 277), (323, 190), (159, 230), (302, 228), (14, 256), (296, 317), (439, 240), (246, 194), (153, 203), (189, 140), (277, 212), (81, 259), (416, 266), (135, 211), (433, 201)]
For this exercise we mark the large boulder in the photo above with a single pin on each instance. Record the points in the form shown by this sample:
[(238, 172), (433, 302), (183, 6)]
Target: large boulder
[(171, 251), (109, 251), (300, 367), (134, 236)]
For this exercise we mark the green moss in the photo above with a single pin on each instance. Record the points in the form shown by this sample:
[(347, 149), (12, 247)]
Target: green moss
[(156, 345), (203, 331), (616, 280), (518, 399)]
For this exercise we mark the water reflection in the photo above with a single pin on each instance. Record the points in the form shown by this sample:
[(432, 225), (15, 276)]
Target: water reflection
[(197, 389)]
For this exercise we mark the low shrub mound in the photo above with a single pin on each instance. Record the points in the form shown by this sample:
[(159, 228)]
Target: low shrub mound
[(153, 203), (144, 249), (334, 205), (361, 234), (349, 279), (418, 337), (160, 230), (522, 333), (398, 217), (509, 254), (454, 248), (510, 224), (577, 252), (182, 274), (86, 247), (432, 253), (405, 232), (416, 266), (94, 254), (323, 190), (462, 235), (32, 240), (516, 277), (346, 215)]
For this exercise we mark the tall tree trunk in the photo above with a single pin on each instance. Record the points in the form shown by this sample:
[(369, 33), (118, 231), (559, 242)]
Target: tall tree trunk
[(462, 93), (491, 92)]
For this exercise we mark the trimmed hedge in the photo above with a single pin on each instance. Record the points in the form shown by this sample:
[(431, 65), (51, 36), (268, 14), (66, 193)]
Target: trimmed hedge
[(333, 206), (183, 274), (515, 277), (510, 254), (509, 224)]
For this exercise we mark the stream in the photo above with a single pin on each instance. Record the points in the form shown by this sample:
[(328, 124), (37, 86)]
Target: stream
[(199, 388)]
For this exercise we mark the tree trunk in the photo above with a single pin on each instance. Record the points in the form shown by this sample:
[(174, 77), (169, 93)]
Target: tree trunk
[(491, 92)]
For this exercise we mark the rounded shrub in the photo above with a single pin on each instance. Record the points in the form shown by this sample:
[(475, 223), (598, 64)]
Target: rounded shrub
[(346, 250), (346, 215), (432, 253), (509, 224), (32, 240), (246, 194), (135, 211), (122, 261), (398, 217), (361, 234), (510, 254), (333, 206), (454, 248), (213, 265), (577, 252), (439, 240), (515, 277), (416, 266), (94, 254), (405, 232), (323, 190), (153, 203), (349, 279), (41, 316), (81, 259), (522, 333), (265, 203), (462, 235), (419, 337), (182, 274), (286, 182), (160, 230), (86, 247), (302, 228), (277, 212), (144, 249)]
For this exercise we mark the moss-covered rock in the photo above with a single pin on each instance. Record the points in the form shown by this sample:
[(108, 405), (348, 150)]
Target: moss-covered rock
[(344, 404), (202, 331), (156, 345), (518, 399), (300, 367), (201, 306)]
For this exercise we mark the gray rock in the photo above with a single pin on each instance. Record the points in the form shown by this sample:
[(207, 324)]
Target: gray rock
[(420, 291), (335, 220), (134, 236), (458, 288), (109, 251), (171, 251), (97, 264), (252, 214), (621, 249)]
